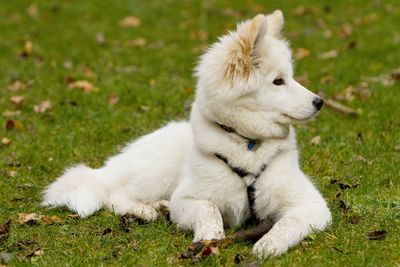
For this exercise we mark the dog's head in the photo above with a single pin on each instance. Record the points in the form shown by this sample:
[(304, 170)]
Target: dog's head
[(249, 74)]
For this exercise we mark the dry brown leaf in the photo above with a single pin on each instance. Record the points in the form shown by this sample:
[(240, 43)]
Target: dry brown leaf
[(340, 107), (42, 107), (4, 230), (112, 98), (28, 48), (17, 99), (50, 219), (100, 39), (130, 21), (303, 79), (329, 54), (327, 79), (301, 53), (5, 141), (386, 79), (346, 94), (201, 35), (33, 11), (17, 85), (84, 86), (136, 42), (304, 10), (144, 108), (316, 140), (327, 34), (10, 124), (344, 31), (11, 113), (28, 218), (377, 235)]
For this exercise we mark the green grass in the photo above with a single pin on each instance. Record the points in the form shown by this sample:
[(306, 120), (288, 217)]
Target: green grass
[(154, 84)]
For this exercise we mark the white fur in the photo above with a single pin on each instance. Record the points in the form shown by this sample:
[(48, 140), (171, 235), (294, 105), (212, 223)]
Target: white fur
[(177, 163)]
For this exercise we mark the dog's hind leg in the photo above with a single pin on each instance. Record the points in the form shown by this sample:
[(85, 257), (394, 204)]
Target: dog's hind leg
[(122, 204), (201, 216)]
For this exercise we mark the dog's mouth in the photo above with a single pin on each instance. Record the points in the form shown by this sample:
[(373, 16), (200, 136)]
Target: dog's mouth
[(296, 119)]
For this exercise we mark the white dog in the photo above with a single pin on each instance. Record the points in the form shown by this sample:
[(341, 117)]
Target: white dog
[(236, 156)]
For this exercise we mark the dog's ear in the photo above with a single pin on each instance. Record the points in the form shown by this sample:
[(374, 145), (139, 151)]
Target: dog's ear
[(245, 52), (275, 23), (251, 34)]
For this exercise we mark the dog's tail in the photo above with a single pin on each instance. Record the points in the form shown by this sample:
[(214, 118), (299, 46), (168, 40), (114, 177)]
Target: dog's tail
[(80, 189)]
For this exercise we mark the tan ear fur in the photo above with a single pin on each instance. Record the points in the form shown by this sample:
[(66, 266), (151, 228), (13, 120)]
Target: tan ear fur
[(245, 56)]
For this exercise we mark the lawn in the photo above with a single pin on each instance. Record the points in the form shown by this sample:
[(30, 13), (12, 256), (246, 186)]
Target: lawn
[(79, 79)]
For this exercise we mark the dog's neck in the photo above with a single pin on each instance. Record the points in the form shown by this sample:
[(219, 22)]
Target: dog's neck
[(252, 144)]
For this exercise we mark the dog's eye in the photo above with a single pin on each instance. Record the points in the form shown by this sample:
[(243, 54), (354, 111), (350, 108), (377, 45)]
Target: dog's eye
[(279, 81)]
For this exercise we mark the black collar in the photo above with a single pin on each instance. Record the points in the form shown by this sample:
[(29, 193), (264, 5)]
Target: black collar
[(251, 143), (241, 172)]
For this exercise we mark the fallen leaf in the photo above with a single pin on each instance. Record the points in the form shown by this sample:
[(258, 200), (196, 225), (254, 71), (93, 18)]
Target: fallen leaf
[(126, 219), (10, 124), (340, 107), (327, 79), (386, 79), (27, 50), (346, 94), (343, 185), (366, 19), (112, 99), (33, 11), (130, 21), (100, 39), (11, 113), (28, 218), (201, 35), (73, 216), (68, 65), (4, 231), (34, 252), (344, 31), (106, 231), (17, 99), (42, 107), (5, 141), (12, 173), (17, 85), (85, 86), (144, 108), (49, 220), (304, 10), (136, 42), (301, 53), (342, 205), (303, 79), (327, 34), (238, 259), (329, 54), (25, 185), (377, 235), (315, 140)]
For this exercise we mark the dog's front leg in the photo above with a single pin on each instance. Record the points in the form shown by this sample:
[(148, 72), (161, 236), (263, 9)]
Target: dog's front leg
[(200, 216), (290, 229)]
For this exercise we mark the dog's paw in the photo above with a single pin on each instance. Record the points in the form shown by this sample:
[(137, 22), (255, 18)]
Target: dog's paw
[(148, 214), (209, 235), (266, 247)]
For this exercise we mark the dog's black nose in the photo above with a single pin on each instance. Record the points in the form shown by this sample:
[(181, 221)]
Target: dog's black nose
[(318, 102)]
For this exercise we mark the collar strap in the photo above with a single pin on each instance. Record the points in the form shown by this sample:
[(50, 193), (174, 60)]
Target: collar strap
[(251, 143), (241, 172)]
